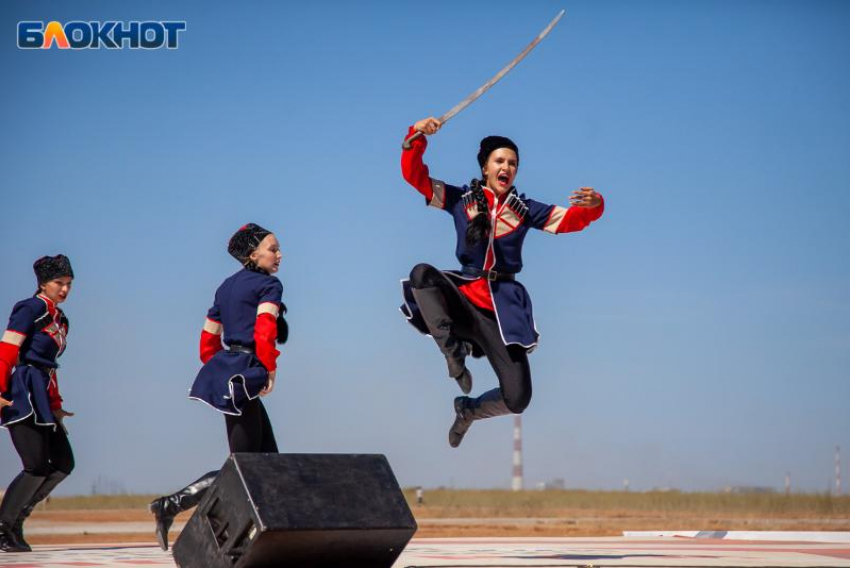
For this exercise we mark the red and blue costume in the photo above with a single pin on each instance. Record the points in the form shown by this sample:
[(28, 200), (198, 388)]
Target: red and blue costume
[(34, 339), (512, 217), (244, 315)]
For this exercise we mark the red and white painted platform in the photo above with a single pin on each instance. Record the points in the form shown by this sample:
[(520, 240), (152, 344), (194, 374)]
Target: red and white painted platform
[(508, 552)]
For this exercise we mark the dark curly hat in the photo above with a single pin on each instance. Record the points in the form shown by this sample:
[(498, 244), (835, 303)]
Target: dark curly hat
[(491, 143), (245, 241), (49, 268)]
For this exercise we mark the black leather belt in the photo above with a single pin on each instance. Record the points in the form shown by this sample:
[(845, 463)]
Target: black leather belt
[(43, 368), (239, 349), (488, 274)]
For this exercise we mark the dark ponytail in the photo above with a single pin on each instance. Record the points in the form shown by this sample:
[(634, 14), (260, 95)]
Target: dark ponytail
[(479, 228)]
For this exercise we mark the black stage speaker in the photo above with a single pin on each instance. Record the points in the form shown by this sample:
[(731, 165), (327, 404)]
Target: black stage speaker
[(298, 510)]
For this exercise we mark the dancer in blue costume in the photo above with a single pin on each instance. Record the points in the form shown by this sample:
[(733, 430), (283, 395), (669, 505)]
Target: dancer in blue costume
[(483, 309), (30, 404), (247, 316)]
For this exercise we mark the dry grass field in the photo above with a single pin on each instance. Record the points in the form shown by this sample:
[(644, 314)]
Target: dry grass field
[(467, 513), (609, 513)]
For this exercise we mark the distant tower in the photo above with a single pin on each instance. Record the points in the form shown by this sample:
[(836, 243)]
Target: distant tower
[(788, 483), (838, 470), (516, 483)]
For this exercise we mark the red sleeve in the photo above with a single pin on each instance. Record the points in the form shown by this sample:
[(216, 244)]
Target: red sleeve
[(53, 392), (8, 359), (210, 340), (265, 334), (413, 169), (577, 218)]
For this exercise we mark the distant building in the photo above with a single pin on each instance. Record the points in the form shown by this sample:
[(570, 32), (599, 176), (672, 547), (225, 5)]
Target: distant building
[(557, 484), (748, 489)]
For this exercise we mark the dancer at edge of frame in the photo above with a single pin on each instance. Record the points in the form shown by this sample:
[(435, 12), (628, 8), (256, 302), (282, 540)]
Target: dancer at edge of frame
[(248, 316), (30, 404), (482, 309)]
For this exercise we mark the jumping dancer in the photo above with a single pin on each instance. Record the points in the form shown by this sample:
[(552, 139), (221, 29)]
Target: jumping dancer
[(482, 309), (30, 405), (248, 316)]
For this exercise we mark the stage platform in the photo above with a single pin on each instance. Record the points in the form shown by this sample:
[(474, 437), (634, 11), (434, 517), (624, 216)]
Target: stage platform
[(650, 551)]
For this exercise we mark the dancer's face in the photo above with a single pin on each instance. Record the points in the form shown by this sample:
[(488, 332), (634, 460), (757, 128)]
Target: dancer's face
[(57, 290), (267, 255), (500, 170)]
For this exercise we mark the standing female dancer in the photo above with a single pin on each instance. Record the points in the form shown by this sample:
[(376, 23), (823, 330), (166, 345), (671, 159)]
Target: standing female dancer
[(247, 315), (30, 405), (483, 310)]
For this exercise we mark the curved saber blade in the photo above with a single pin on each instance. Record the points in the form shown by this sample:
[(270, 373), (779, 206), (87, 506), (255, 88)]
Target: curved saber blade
[(486, 86)]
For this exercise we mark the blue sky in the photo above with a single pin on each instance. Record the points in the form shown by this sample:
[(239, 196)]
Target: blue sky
[(696, 336)]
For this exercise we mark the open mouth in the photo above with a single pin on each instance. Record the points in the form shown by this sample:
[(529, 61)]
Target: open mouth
[(504, 179)]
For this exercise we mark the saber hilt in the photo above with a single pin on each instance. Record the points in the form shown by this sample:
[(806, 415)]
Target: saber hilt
[(406, 144)]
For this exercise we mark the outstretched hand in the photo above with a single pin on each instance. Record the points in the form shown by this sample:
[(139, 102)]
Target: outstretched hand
[(61, 414), (428, 125), (4, 402), (586, 197)]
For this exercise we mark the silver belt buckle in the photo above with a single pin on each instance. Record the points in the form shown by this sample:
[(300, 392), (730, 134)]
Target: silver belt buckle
[(492, 275)]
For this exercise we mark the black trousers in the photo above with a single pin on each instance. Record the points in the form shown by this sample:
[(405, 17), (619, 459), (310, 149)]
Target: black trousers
[(42, 449), (252, 431), (452, 319), (47, 459)]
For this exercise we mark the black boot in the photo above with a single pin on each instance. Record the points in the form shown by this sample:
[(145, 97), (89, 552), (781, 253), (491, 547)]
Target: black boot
[(435, 312), (45, 489), (462, 422), (166, 508), (468, 410), (457, 367), (8, 542), (18, 532), (17, 497)]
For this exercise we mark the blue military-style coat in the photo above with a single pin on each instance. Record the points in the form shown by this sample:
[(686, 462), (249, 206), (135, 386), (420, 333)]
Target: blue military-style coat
[(38, 329), (502, 252), (236, 375)]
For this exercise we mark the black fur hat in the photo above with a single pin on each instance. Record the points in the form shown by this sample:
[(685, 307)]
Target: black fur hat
[(245, 241), (49, 268), (494, 143)]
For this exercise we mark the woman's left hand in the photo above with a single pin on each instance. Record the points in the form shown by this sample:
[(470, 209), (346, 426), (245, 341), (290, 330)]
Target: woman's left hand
[(61, 414), (586, 197), (269, 385)]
